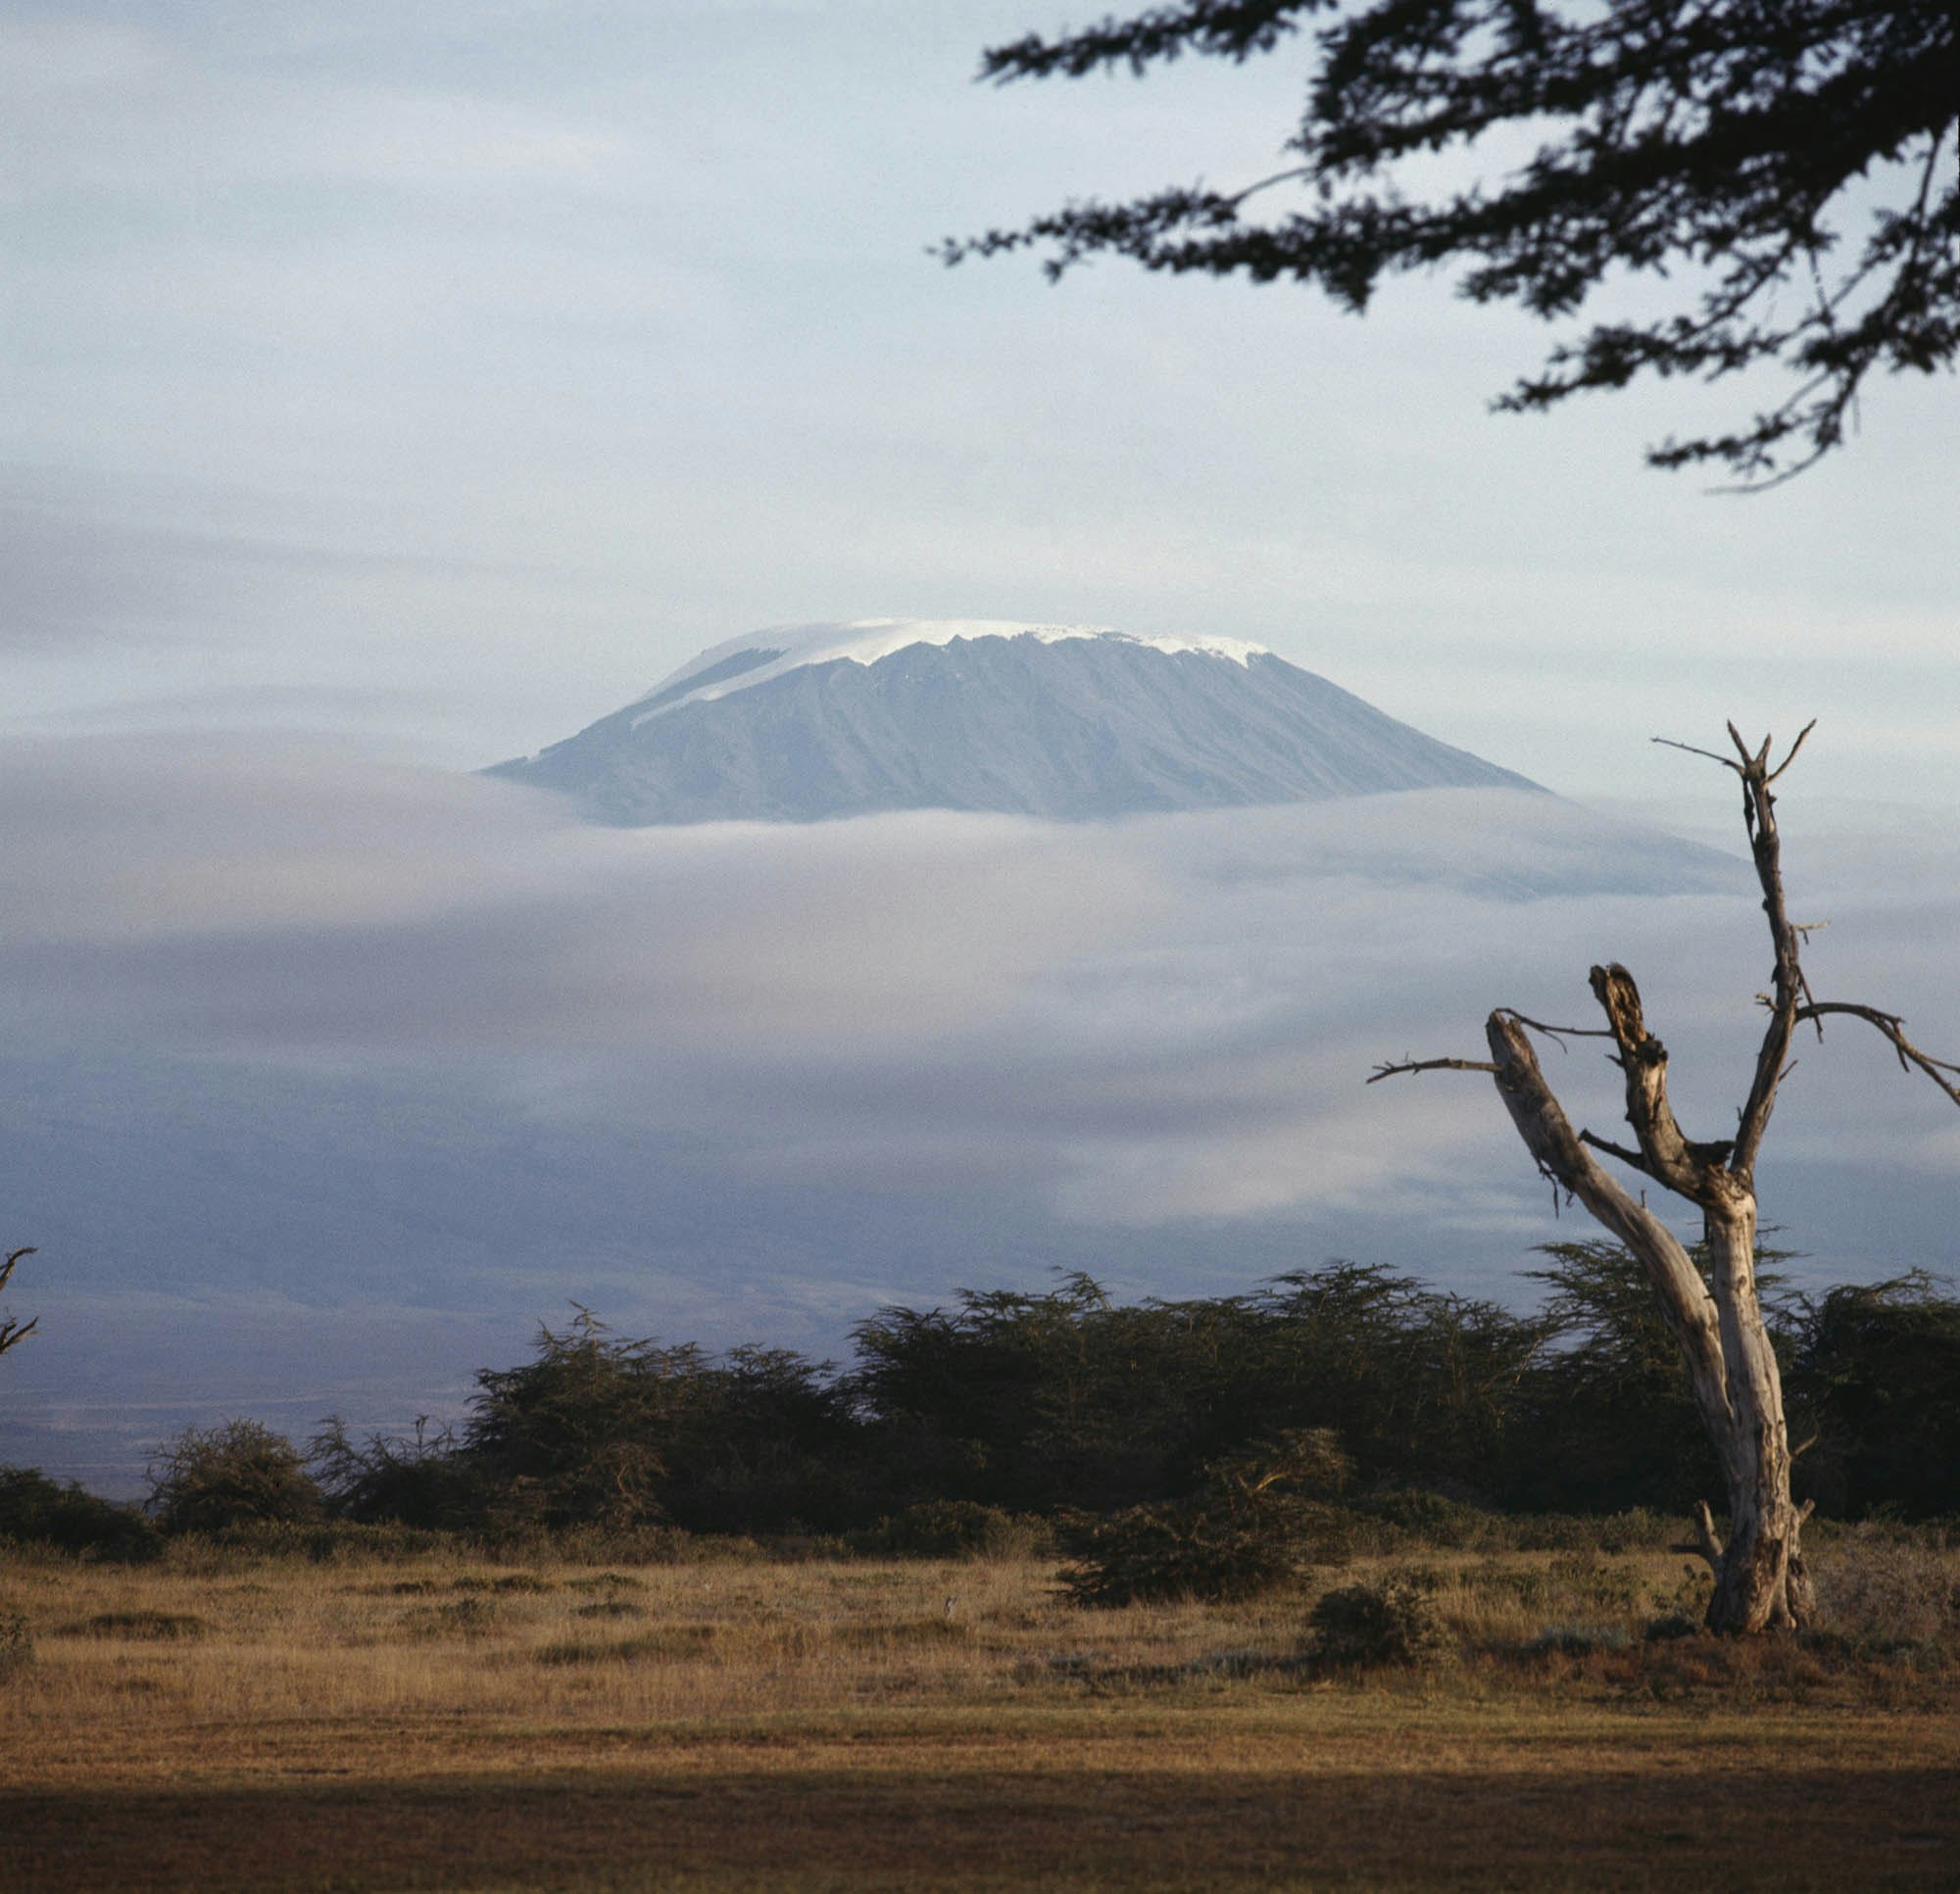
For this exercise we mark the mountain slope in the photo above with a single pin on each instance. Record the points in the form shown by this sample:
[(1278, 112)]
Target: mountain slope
[(1067, 722)]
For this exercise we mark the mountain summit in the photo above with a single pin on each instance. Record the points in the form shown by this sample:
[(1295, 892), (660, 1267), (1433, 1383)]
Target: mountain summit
[(1071, 722)]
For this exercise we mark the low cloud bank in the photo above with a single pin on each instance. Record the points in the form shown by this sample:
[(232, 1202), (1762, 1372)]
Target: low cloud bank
[(1159, 1018), (291, 1021)]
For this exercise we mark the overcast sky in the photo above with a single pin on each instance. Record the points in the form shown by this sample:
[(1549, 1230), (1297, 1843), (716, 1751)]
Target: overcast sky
[(394, 390), (449, 373)]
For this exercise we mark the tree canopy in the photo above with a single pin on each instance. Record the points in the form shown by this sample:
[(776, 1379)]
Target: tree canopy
[(1784, 170)]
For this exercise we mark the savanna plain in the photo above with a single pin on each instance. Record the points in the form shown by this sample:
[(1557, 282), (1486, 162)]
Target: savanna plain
[(340, 1712)]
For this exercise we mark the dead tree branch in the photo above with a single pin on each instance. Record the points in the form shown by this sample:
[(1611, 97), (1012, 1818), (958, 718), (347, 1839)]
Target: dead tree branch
[(1390, 1070), (1892, 1028), (12, 1333)]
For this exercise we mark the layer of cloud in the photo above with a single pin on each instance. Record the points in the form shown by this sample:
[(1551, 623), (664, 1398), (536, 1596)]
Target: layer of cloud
[(1151, 1020), (383, 1064)]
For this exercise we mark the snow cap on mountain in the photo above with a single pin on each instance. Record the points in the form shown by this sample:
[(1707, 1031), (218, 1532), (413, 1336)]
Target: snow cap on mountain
[(717, 671)]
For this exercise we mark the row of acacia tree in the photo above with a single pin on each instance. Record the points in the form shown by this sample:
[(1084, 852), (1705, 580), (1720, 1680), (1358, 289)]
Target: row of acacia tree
[(1066, 1403)]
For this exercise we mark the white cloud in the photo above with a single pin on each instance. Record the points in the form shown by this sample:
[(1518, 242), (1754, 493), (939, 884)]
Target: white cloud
[(1157, 1019)]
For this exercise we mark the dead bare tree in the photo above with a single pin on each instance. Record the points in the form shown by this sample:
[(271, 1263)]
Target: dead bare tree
[(1760, 1581), (12, 1331)]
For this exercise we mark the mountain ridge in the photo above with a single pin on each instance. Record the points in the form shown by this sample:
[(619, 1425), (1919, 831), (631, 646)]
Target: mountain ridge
[(1068, 722)]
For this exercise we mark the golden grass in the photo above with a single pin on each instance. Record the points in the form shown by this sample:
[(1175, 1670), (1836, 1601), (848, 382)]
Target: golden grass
[(447, 1723)]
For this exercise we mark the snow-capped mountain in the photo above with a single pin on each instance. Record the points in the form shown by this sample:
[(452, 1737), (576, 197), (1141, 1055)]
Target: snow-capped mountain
[(1064, 721)]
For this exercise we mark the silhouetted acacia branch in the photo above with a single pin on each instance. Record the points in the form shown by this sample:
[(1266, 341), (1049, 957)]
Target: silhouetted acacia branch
[(1740, 151)]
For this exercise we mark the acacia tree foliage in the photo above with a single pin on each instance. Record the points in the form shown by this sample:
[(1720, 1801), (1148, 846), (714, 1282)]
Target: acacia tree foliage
[(602, 1430), (1609, 1410), (238, 1472), (1785, 170), (1879, 1362), (1067, 1401)]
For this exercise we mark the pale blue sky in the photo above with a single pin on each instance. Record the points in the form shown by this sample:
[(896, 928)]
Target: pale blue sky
[(446, 374)]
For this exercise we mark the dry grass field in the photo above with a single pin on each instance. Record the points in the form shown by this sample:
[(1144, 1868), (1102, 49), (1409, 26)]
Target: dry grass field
[(223, 1721)]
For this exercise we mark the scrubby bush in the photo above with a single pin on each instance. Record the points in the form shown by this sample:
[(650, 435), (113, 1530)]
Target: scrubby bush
[(1247, 1531), (1884, 1589), (1393, 1620), (1067, 1401), (1430, 1518), (239, 1472), (597, 1430), (418, 1481), (1179, 1549), (35, 1509), (1878, 1377)]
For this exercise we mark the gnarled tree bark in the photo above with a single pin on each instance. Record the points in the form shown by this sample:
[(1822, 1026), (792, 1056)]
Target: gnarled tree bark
[(1760, 1581)]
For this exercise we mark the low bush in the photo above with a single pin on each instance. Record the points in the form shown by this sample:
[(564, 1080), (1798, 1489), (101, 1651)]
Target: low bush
[(470, 1616), (1368, 1625), (1595, 1581), (417, 1480), (670, 1643), (239, 1472), (1431, 1518), (1249, 1531), (1880, 1587), (35, 1509)]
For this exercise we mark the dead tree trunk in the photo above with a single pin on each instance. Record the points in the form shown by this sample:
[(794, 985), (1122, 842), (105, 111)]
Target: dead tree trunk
[(1731, 1368), (1760, 1581)]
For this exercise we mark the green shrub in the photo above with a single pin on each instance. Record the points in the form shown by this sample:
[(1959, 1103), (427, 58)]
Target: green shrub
[(1594, 1582), (35, 1509), (239, 1472), (1391, 1622), (670, 1642), (332, 1540), (412, 1482), (1247, 1532), (1182, 1549), (1639, 1528), (1526, 1587)]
